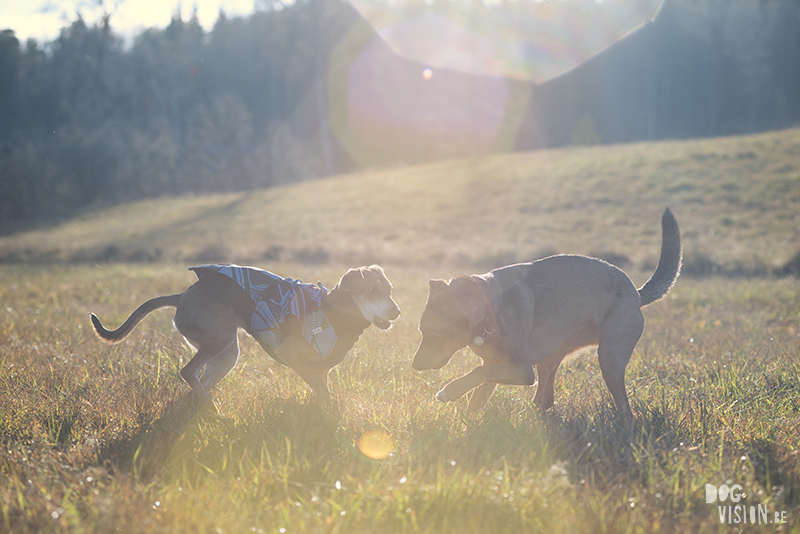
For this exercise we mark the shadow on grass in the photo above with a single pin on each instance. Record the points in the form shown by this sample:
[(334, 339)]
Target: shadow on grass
[(593, 443), (776, 468), (133, 250), (143, 451), (195, 432)]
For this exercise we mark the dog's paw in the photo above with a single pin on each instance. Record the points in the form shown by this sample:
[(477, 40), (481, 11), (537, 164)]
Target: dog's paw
[(442, 395), (201, 393)]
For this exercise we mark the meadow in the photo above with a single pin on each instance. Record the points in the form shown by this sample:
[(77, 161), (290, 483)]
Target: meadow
[(99, 438)]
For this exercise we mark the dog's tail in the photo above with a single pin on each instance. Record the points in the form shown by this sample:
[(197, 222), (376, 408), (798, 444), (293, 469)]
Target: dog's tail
[(669, 263), (114, 336)]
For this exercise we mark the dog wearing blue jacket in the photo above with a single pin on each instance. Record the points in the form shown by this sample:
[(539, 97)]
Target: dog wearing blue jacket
[(303, 326)]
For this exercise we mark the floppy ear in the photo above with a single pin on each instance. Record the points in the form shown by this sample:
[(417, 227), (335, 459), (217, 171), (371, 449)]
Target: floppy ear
[(438, 285), (353, 280), (471, 292), (375, 273), (375, 268)]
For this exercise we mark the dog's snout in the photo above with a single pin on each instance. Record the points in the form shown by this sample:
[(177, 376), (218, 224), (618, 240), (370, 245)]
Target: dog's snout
[(422, 360), (417, 364), (431, 354)]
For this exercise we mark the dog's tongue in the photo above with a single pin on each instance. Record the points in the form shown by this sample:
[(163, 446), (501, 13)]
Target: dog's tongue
[(380, 323)]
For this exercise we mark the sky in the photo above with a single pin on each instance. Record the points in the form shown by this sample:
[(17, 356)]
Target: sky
[(42, 19)]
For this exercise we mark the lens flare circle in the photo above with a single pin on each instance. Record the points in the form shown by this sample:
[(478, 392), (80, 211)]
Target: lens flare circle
[(376, 444), (533, 40)]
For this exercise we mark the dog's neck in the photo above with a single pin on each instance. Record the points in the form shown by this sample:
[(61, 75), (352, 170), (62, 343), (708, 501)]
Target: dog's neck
[(342, 312), (486, 340), (347, 322)]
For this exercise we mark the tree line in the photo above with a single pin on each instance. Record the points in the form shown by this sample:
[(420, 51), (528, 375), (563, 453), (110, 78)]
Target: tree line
[(88, 118), (703, 68)]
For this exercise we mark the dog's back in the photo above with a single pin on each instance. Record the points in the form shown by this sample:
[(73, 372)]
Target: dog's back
[(560, 295)]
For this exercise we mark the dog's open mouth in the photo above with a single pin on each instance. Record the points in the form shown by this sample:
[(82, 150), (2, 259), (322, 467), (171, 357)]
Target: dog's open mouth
[(383, 324)]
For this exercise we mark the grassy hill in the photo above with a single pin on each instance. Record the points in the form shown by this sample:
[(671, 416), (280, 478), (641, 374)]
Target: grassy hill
[(736, 200), (98, 438)]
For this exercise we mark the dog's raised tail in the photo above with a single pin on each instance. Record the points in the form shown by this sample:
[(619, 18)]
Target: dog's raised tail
[(669, 263), (114, 336)]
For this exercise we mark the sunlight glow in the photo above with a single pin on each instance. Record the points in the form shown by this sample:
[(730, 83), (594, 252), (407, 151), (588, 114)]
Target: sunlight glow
[(485, 57), (44, 20), (380, 108), (532, 40)]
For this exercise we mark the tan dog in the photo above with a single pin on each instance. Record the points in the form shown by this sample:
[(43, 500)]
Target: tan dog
[(305, 327), (537, 313)]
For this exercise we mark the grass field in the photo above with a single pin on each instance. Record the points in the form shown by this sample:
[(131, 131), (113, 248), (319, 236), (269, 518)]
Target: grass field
[(104, 439)]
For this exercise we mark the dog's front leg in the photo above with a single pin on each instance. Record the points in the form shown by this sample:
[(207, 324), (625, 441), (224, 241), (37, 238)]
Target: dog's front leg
[(480, 396), (508, 373), (293, 354), (317, 379)]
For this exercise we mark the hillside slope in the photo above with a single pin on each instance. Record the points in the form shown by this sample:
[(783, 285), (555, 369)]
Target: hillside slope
[(737, 201)]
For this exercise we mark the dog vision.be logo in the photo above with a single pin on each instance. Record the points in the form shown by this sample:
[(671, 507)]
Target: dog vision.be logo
[(733, 511)]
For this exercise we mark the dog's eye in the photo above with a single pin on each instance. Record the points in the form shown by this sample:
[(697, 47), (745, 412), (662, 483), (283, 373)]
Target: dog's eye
[(372, 289)]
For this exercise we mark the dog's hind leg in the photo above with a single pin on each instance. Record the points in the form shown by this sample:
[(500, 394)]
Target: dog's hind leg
[(211, 328), (546, 370), (205, 354), (618, 336), (219, 366)]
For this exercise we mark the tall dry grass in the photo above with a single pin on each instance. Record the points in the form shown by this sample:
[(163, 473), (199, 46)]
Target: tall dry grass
[(98, 438)]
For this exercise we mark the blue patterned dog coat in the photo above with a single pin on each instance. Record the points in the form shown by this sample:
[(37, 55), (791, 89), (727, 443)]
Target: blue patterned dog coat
[(269, 301)]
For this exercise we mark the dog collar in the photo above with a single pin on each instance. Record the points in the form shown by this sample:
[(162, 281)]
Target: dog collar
[(481, 339)]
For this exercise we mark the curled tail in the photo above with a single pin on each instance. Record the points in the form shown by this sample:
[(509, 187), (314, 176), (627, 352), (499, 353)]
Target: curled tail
[(669, 263), (114, 336)]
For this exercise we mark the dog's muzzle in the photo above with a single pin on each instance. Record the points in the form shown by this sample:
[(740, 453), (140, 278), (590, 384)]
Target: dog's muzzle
[(385, 324)]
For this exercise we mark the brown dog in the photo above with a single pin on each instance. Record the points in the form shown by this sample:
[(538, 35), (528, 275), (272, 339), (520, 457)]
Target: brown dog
[(537, 313), (305, 327)]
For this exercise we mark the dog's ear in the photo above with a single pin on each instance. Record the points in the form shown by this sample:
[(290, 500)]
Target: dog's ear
[(437, 286), (471, 292), (376, 273), (353, 280), (466, 284)]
